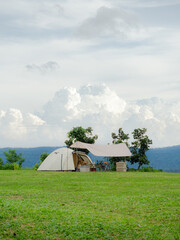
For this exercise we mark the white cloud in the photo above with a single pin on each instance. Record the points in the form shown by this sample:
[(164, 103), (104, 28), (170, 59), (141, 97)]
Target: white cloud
[(2, 114), (12, 125), (73, 100), (18, 128), (97, 106), (34, 120), (110, 23), (69, 104)]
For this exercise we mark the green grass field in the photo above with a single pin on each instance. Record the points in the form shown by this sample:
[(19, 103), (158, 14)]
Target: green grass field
[(96, 205)]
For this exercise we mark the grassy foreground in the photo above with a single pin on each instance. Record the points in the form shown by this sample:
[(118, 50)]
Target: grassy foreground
[(101, 205)]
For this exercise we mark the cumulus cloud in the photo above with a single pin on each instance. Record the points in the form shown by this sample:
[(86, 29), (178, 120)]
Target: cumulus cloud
[(17, 128), (43, 68), (34, 120), (97, 106), (103, 97), (103, 109), (12, 124), (71, 104)]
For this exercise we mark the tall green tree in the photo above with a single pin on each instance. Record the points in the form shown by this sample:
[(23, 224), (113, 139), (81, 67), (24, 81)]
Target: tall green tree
[(139, 147), (12, 157), (80, 134), (120, 137)]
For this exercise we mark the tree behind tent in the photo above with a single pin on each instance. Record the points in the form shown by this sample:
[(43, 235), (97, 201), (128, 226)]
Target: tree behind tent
[(120, 137), (81, 134)]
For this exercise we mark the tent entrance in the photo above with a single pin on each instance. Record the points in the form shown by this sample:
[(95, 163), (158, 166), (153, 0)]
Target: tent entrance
[(81, 159)]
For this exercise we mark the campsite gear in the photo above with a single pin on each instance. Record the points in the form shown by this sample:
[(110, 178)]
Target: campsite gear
[(121, 166), (93, 169), (84, 168)]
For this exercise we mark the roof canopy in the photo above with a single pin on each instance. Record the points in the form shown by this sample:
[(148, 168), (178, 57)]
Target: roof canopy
[(114, 150)]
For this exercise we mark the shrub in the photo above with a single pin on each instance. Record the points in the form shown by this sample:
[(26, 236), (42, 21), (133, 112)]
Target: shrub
[(8, 166), (16, 166), (36, 166), (112, 167), (43, 156), (149, 169), (131, 169), (144, 169)]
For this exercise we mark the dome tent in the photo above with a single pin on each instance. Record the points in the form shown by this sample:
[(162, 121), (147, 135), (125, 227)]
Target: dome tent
[(59, 160), (64, 159)]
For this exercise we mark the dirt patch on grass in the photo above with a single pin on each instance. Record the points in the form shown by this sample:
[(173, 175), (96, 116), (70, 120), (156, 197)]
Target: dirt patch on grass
[(31, 225), (15, 197)]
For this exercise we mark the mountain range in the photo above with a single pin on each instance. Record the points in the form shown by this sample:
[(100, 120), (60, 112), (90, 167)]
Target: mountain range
[(167, 158)]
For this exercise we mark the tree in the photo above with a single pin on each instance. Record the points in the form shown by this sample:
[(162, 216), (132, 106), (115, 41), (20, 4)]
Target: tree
[(43, 156), (140, 147), (1, 163), (12, 157), (80, 134), (119, 138)]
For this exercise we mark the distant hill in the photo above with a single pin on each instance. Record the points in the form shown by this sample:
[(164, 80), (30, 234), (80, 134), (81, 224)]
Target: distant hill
[(167, 159), (32, 155)]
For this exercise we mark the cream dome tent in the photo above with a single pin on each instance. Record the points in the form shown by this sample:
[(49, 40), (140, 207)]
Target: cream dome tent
[(65, 159), (59, 160)]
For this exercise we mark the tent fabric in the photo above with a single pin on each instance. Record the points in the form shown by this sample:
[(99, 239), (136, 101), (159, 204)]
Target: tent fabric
[(59, 160), (114, 150)]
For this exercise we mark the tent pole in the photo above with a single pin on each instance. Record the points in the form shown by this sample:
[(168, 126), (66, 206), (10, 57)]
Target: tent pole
[(77, 160), (67, 159), (61, 161)]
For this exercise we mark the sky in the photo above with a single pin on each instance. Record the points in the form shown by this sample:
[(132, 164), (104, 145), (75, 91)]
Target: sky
[(100, 63)]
